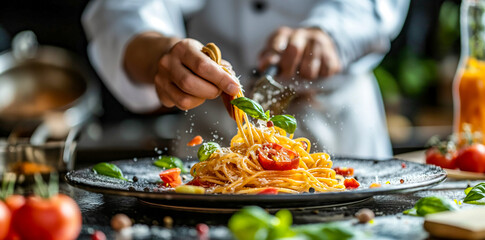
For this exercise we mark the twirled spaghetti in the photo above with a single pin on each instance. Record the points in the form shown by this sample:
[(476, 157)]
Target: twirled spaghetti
[(238, 168)]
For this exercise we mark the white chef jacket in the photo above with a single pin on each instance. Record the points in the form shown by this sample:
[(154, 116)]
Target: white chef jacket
[(342, 115)]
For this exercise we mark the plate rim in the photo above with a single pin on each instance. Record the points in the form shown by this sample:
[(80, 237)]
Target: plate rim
[(309, 197)]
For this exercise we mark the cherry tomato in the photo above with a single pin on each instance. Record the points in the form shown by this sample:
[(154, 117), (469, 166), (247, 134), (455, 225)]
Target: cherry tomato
[(472, 158), (5, 220), (14, 203), (195, 141), (442, 159), (98, 235), (273, 156), (171, 177), (268, 191), (351, 183), (55, 218), (344, 171)]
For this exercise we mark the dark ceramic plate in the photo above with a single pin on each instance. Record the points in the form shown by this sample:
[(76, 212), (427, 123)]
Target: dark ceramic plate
[(396, 176)]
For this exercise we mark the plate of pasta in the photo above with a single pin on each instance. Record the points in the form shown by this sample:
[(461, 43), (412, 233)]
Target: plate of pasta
[(264, 164)]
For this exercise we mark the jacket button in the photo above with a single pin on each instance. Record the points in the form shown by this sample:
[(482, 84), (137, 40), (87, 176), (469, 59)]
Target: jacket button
[(259, 6)]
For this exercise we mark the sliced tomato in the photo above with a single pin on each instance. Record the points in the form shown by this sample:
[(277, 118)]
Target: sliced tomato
[(273, 156), (351, 183), (197, 182), (344, 171), (195, 141), (171, 177), (268, 191)]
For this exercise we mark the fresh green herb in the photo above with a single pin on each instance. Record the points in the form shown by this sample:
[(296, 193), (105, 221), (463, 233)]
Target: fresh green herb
[(206, 150), (473, 195), (109, 169), (250, 107), (8, 185), (46, 190), (328, 231), (168, 162), (431, 204), (253, 223), (286, 122)]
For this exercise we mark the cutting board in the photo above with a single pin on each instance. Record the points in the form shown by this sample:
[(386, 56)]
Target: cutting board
[(461, 224)]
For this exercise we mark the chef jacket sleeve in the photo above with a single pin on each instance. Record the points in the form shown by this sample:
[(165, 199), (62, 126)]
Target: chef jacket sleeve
[(110, 25), (361, 30)]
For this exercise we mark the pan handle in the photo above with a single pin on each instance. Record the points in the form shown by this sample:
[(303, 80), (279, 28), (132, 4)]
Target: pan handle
[(24, 45)]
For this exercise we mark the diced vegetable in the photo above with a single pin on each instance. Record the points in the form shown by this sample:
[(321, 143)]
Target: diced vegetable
[(190, 189), (195, 141), (171, 177), (344, 171), (351, 183), (268, 191)]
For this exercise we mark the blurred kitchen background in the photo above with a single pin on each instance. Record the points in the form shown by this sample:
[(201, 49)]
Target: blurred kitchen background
[(415, 78)]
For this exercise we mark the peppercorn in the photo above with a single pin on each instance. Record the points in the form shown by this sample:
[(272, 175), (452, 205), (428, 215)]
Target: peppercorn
[(120, 221), (364, 215)]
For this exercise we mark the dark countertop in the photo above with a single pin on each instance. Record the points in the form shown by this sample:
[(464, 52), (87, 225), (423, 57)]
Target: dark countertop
[(97, 210)]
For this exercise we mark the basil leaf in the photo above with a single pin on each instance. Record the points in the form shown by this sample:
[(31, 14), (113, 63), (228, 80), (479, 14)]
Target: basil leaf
[(250, 107), (168, 162), (328, 231), (206, 150), (431, 204), (476, 193), (109, 169), (282, 227), (251, 223), (285, 122)]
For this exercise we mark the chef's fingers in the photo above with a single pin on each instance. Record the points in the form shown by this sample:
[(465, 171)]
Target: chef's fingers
[(200, 64), (331, 64), (190, 83), (160, 81), (291, 57), (181, 99), (275, 45), (311, 60)]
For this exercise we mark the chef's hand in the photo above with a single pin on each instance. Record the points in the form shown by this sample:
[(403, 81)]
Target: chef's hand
[(309, 51), (184, 76), (187, 77)]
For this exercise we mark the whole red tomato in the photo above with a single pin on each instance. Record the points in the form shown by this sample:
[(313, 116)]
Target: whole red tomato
[(14, 203), (472, 158), (55, 218), (5, 219), (442, 159)]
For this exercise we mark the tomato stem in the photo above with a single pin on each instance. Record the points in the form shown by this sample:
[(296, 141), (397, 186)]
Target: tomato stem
[(8, 185), (46, 190)]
